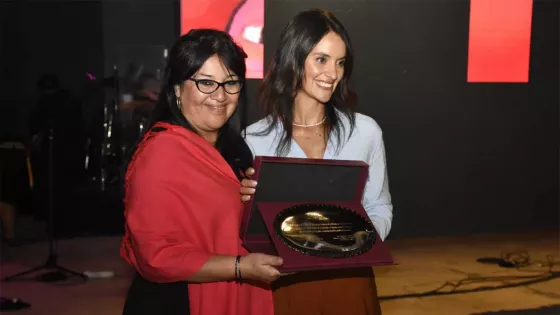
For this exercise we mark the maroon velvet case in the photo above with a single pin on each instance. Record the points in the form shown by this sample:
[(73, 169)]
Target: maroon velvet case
[(286, 182)]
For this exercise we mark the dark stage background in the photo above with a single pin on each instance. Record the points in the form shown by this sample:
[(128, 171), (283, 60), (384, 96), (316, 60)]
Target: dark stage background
[(462, 158)]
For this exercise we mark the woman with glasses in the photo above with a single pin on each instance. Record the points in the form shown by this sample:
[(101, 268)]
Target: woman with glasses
[(182, 207), (309, 105)]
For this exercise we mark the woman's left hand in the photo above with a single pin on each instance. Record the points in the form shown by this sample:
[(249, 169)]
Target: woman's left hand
[(247, 185)]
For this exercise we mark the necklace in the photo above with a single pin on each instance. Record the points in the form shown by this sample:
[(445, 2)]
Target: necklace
[(311, 125)]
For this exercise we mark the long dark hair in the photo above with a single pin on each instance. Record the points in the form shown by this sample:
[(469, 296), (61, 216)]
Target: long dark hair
[(186, 57), (285, 76)]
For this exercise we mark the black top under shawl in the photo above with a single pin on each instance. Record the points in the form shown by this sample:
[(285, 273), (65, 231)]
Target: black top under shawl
[(149, 298)]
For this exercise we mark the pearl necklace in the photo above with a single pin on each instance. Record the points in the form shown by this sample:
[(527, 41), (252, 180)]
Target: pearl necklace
[(311, 125)]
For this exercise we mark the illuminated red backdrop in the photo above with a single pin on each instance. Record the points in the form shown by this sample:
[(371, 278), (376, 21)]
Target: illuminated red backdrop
[(499, 40), (499, 34), (243, 19)]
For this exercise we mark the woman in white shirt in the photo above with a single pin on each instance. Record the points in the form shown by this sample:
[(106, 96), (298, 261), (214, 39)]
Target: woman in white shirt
[(309, 104)]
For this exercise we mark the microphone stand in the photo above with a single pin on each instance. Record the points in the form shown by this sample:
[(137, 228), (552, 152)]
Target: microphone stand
[(60, 273)]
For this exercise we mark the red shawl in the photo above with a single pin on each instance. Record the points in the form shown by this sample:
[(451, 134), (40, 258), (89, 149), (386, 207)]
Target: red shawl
[(182, 206)]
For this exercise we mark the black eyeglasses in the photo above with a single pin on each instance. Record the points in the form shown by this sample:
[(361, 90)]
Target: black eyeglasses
[(207, 86)]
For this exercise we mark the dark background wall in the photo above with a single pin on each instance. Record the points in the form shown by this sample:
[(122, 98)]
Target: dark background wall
[(462, 158), (39, 37)]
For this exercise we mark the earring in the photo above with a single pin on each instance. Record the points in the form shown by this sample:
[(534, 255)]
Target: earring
[(178, 102)]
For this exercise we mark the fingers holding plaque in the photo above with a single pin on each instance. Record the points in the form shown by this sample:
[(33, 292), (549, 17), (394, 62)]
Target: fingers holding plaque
[(324, 230)]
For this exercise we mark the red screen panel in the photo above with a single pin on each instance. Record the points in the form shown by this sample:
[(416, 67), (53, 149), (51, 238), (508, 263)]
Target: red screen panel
[(242, 19), (499, 40)]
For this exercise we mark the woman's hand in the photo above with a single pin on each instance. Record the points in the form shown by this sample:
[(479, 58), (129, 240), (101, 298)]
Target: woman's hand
[(248, 185), (260, 267)]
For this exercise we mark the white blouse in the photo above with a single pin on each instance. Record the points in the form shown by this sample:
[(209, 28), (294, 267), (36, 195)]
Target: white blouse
[(365, 144)]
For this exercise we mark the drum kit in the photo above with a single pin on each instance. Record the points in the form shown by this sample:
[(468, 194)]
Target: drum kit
[(127, 102)]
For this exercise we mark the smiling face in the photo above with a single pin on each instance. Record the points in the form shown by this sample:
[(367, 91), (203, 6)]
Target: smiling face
[(206, 108), (324, 68)]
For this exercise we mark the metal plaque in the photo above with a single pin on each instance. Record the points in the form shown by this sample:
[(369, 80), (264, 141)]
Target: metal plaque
[(325, 230)]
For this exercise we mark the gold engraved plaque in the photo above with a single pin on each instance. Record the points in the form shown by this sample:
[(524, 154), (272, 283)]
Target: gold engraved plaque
[(325, 230)]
